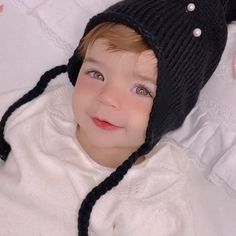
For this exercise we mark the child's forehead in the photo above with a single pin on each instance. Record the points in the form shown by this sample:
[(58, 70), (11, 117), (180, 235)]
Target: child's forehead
[(101, 48), (106, 44)]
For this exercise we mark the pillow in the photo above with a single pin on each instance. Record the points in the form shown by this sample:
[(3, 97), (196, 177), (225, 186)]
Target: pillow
[(63, 21), (37, 35), (25, 52)]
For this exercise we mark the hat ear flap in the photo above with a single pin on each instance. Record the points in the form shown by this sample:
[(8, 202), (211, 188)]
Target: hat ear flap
[(73, 67), (231, 11)]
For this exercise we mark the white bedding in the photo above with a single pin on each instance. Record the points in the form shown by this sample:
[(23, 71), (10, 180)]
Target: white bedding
[(36, 35)]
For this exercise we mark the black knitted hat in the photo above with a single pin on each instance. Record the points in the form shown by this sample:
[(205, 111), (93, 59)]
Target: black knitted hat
[(187, 37)]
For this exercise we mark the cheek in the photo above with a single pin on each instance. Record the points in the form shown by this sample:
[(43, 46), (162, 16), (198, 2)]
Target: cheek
[(141, 106), (139, 114), (85, 89), (83, 85), (84, 95), (139, 122), (80, 94)]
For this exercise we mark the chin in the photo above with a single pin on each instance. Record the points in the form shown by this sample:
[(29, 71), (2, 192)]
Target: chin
[(109, 142)]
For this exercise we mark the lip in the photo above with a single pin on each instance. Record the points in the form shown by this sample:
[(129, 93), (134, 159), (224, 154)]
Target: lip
[(103, 124)]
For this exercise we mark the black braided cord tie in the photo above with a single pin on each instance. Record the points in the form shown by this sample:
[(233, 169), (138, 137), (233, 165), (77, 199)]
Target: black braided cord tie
[(5, 149)]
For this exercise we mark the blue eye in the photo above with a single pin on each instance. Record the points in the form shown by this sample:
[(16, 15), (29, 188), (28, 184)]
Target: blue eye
[(142, 90), (95, 75)]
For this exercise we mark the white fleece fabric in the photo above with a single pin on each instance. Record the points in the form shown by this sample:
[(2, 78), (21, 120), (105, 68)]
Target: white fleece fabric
[(48, 174)]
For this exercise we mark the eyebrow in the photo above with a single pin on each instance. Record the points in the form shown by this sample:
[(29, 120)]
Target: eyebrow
[(92, 60), (146, 78)]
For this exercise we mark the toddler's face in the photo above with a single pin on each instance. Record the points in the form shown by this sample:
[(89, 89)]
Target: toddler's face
[(113, 96)]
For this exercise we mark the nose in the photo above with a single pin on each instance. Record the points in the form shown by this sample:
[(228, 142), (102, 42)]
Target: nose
[(110, 95)]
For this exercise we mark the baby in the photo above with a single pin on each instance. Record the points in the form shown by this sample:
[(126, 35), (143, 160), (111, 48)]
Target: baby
[(137, 74), (114, 93)]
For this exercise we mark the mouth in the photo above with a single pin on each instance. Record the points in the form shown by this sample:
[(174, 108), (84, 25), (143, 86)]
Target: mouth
[(103, 124)]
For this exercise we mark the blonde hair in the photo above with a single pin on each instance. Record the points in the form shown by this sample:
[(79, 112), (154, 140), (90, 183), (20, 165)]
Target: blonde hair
[(119, 37)]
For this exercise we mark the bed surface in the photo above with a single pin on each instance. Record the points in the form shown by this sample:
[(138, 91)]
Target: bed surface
[(38, 35)]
